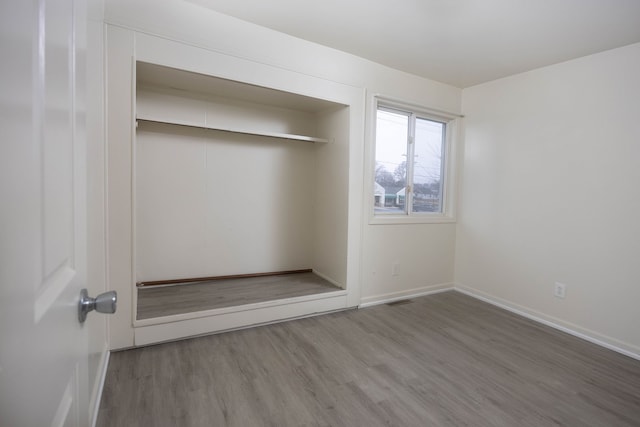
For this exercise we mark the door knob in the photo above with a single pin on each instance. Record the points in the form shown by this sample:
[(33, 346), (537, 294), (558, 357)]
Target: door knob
[(103, 303)]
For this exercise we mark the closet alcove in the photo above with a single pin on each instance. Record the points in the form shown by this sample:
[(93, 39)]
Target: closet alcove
[(240, 195)]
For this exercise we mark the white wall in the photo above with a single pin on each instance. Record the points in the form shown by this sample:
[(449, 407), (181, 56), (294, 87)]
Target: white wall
[(216, 203), (198, 26), (195, 25), (212, 203), (330, 254), (550, 194), (424, 254)]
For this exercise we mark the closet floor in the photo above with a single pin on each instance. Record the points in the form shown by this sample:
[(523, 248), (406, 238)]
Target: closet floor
[(191, 297)]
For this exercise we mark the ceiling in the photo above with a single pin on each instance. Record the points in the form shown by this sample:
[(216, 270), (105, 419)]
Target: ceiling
[(459, 42)]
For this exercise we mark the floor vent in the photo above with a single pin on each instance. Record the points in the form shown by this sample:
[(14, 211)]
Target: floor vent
[(401, 302)]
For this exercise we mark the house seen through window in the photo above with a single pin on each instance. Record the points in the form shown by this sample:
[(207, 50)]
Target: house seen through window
[(409, 162)]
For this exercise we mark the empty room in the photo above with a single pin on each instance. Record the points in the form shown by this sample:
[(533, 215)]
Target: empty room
[(286, 213)]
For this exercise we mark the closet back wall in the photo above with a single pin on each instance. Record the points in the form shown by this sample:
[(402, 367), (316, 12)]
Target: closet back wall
[(215, 203)]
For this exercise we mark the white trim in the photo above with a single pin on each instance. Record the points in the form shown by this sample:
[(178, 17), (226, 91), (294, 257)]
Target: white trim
[(238, 308), (411, 293), (569, 328), (453, 137), (134, 183), (187, 328), (218, 51), (98, 388), (420, 108), (240, 328), (420, 218)]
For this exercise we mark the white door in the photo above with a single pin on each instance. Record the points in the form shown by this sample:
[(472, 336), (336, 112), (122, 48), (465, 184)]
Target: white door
[(43, 347)]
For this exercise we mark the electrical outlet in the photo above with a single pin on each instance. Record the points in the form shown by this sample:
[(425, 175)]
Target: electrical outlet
[(395, 269), (559, 290)]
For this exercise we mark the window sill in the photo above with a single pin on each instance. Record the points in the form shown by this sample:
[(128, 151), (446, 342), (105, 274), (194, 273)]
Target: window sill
[(415, 219)]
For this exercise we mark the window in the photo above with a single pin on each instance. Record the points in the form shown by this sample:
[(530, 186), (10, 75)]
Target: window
[(411, 171)]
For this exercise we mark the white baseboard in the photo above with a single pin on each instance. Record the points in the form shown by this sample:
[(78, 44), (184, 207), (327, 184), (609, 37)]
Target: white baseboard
[(569, 328), (171, 328), (400, 295), (328, 279), (96, 395)]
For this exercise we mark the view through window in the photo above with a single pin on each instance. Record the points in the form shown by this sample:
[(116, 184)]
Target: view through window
[(409, 168)]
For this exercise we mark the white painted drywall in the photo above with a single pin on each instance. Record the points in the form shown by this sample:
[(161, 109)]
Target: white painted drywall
[(215, 203), (422, 252), (331, 197), (211, 203), (195, 25), (550, 194)]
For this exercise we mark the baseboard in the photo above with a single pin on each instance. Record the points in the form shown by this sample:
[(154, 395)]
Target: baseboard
[(96, 395), (170, 328), (569, 328), (411, 293), (240, 328), (328, 279)]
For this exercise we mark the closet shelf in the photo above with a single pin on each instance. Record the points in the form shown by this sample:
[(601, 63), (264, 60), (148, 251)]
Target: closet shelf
[(233, 130)]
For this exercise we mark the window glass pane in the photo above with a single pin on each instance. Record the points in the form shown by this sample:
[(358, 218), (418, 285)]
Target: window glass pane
[(427, 168), (391, 162)]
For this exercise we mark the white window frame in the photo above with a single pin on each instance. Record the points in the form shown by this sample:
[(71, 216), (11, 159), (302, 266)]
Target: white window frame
[(448, 180)]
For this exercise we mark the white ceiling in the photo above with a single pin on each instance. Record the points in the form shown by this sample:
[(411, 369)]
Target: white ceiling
[(460, 42)]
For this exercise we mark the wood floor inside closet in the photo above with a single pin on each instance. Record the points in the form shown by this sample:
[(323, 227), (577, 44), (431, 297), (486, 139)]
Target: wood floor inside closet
[(441, 360), (158, 301)]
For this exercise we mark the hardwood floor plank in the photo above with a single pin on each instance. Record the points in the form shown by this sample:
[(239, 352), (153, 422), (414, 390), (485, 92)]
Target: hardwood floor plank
[(442, 360)]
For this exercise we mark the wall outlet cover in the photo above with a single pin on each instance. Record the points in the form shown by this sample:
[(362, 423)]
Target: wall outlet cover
[(559, 290), (395, 269)]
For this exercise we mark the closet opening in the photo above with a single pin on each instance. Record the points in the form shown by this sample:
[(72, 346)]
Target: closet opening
[(240, 195)]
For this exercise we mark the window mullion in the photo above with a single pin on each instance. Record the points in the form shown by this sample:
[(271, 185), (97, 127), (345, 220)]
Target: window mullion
[(444, 156), (410, 164)]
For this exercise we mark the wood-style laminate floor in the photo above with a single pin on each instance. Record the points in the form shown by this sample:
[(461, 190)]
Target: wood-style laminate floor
[(158, 301), (441, 360)]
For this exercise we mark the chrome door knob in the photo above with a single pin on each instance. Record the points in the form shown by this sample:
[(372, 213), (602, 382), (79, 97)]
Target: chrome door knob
[(103, 303)]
